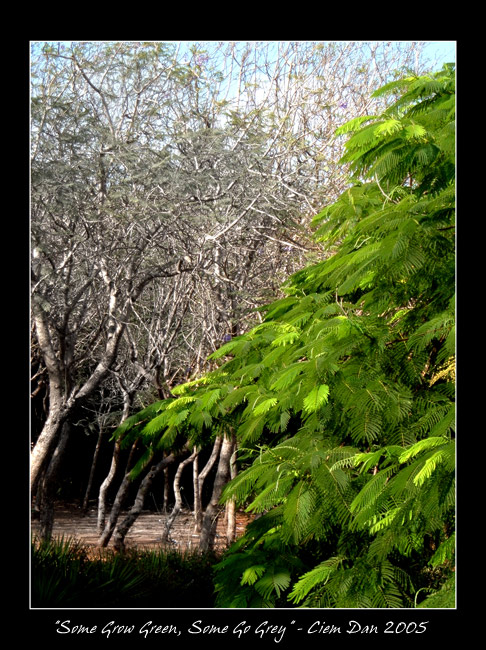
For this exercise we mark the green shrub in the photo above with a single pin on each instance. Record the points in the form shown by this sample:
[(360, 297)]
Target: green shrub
[(444, 598), (64, 575)]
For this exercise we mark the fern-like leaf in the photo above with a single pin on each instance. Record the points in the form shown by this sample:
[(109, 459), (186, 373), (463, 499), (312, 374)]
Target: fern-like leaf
[(317, 576), (316, 398)]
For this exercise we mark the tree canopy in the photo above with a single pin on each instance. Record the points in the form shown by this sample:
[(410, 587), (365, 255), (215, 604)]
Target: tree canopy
[(342, 399)]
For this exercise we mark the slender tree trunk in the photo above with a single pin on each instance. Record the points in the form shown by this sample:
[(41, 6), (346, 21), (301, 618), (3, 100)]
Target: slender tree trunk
[(94, 463), (178, 500), (46, 443), (231, 506), (165, 507), (124, 526), (115, 511), (48, 489), (109, 526), (208, 530), (196, 508), (115, 459), (102, 495), (199, 482)]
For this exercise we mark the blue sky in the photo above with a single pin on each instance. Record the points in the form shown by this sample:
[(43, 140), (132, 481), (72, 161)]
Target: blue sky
[(441, 51)]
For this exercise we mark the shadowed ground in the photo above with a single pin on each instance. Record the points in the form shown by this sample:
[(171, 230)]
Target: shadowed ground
[(146, 531)]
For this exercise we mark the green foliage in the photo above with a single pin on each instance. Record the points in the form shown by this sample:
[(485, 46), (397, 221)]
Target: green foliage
[(65, 574), (257, 570), (344, 395), (445, 597), (334, 583)]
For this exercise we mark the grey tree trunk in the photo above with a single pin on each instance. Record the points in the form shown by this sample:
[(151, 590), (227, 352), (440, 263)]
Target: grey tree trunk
[(48, 487), (115, 512), (92, 471), (208, 530), (165, 505), (198, 481), (109, 526), (45, 444), (196, 508), (102, 495), (115, 459), (124, 526), (178, 499), (231, 506)]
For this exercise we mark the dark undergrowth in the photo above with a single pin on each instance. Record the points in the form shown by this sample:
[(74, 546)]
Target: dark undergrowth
[(66, 573)]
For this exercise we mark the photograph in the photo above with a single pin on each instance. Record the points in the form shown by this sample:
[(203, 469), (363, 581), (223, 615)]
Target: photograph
[(242, 331)]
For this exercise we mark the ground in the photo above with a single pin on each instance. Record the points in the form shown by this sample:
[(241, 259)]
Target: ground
[(70, 522)]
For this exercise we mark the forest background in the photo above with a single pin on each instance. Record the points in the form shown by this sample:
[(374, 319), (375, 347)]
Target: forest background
[(171, 198)]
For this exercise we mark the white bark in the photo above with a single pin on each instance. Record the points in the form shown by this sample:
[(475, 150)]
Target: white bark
[(198, 481), (208, 530), (177, 494), (230, 512)]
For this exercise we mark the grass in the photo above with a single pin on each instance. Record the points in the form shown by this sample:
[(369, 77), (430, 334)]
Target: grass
[(64, 573)]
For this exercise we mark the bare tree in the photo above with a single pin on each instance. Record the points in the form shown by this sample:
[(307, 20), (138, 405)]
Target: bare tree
[(98, 241)]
